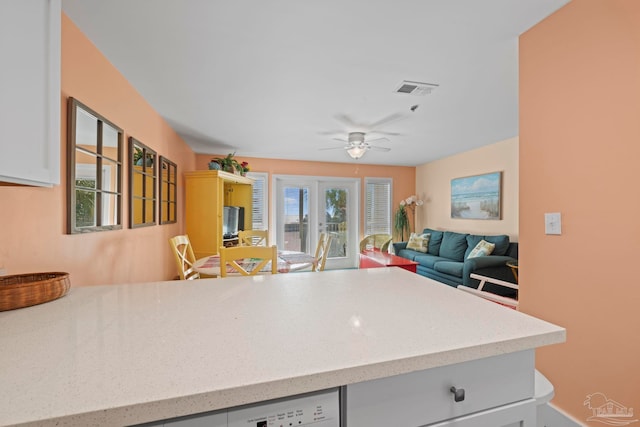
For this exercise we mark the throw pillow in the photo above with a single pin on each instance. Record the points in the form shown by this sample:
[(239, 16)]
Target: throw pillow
[(453, 246), (483, 248), (418, 242)]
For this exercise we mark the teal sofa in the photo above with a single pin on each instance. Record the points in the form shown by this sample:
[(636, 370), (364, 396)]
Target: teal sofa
[(447, 259)]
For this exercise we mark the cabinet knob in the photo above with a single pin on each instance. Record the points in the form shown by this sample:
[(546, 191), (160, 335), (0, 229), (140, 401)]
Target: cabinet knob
[(458, 394)]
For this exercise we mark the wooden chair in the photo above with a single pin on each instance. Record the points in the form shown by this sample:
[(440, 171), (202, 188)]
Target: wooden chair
[(185, 258), (378, 241), (259, 256), (509, 302), (322, 251), (253, 237)]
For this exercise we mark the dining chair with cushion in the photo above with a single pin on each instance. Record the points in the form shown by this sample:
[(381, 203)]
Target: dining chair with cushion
[(322, 251), (253, 237), (377, 241), (248, 260), (185, 258)]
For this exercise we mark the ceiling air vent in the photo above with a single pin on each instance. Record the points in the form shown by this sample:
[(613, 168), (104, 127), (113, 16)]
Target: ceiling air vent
[(416, 88)]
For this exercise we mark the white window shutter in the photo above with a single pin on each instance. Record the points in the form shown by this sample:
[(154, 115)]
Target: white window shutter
[(259, 210), (377, 219)]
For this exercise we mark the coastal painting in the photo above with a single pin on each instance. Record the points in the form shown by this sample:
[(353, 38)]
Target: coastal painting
[(476, 197)]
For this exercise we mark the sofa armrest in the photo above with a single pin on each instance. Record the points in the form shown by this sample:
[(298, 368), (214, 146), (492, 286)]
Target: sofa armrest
[(473, 264), (398, 246)]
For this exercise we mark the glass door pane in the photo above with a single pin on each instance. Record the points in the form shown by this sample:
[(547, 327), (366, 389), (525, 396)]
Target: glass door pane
[(336, 220), (296, 218), (338, 216)]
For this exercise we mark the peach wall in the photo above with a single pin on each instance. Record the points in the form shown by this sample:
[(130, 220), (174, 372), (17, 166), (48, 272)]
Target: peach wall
[(33, 229), (434, 187), (579, 151), (404, 177)]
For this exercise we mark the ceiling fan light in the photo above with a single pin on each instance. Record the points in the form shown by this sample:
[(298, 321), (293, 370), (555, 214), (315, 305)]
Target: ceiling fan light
[(356, 152)]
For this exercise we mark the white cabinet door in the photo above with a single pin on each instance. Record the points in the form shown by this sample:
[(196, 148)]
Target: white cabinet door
[(30, 92)]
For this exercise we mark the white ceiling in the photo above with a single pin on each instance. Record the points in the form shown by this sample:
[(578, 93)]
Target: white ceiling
[(282, 78)]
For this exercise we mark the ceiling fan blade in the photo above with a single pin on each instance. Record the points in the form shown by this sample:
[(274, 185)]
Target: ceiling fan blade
[(382, 139), (346, 120), (381, 132), (373, 147), (387, 120), (333, 148), (331, 132), (341, 140)]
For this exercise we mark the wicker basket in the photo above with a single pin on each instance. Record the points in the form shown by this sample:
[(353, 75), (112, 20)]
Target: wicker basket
[(24, 290)]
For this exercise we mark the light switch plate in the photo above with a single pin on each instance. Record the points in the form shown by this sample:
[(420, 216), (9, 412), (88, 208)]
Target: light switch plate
[(553, 223)]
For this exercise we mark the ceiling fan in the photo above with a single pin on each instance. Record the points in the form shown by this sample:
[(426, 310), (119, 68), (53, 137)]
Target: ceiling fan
[(357, 144), (366, 127)]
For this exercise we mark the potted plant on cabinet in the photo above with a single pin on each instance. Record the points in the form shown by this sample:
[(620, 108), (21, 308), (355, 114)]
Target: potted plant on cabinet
[(227, 163), (244, 168)]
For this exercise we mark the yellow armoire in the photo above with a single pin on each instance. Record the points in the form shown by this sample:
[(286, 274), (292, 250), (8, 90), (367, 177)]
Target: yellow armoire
[(206, 194)]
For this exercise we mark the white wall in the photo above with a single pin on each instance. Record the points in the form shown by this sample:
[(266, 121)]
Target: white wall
[(433, 185)]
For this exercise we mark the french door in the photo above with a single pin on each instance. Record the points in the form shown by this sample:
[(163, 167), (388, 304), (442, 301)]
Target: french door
[(307, 206)]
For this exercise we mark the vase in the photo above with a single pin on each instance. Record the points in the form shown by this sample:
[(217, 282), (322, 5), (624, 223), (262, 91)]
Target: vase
[(214, 166)]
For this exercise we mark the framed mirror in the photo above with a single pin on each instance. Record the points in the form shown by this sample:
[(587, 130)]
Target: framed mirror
[(168, 176), (94, 171), (142, 184)]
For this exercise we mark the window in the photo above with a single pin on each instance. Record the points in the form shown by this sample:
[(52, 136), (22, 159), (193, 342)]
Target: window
[(377, 206), (260, 194)]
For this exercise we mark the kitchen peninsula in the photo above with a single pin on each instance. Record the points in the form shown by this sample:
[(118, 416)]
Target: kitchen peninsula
[(128, 354)]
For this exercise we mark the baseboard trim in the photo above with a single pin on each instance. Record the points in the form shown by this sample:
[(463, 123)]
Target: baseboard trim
[(551, 416)]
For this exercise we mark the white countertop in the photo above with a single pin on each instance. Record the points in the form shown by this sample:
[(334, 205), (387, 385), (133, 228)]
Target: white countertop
[(127, 354)]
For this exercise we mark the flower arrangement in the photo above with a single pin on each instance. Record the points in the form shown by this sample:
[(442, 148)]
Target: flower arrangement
[(401, 221), (244, 168), (411, 202)]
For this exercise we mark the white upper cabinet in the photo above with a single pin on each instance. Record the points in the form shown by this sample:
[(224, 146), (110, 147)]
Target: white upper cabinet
[(30, 92)]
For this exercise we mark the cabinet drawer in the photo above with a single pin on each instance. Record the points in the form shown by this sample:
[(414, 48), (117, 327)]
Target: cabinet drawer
[(425, 397), (520, 414)]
